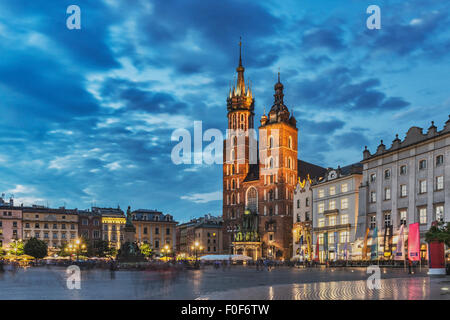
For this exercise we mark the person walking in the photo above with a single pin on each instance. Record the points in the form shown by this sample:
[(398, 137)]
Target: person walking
[(409, 266)]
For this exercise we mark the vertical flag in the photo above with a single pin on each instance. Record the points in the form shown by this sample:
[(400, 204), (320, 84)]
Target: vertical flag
[(325, 245), (374, 248), (309, 253), (400, 252), (414, 242), (317, 250), (364, 250), (335, 246)]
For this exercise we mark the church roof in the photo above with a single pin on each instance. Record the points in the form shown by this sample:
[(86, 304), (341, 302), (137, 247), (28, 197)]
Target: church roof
[(305, 168)]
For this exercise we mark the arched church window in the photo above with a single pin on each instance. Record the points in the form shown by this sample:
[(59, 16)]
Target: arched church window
[(290, 142), (232, 155), (233, 199), (234, 141), (270, 163), (270, 142), (233, 184), (252, 200), (289, 163)]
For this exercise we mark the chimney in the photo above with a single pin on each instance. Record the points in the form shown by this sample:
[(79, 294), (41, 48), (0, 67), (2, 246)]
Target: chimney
[(11, 202)]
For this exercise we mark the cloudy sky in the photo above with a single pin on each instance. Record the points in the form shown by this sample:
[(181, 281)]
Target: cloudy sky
[(86, 116)]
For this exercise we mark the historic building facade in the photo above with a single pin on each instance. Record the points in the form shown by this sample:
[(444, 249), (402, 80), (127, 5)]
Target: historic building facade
[(10, 222), (90, 225), (113, 222), (335, 212), (259, 178), (407, 183), (303, 209), (155, 228), (204, 232), (54, 226)]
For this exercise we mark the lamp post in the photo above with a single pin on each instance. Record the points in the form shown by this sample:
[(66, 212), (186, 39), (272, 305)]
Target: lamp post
[(196, 247)]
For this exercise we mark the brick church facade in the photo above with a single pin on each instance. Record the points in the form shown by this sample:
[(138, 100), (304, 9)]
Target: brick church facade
[(259, 178)]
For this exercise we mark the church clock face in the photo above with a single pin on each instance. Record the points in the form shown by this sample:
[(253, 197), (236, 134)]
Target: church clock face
[(332, 175)]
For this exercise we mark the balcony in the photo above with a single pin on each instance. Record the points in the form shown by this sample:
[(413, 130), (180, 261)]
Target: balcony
[(333, 228), (331, 212)]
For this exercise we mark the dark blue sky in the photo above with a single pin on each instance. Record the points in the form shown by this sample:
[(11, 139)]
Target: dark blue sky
[(86, 115)]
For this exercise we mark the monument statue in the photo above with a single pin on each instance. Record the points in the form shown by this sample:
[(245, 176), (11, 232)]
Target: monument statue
[(129, 250)]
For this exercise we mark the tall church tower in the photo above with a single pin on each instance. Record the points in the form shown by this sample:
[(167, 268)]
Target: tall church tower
[(278, 176), (237, 155)]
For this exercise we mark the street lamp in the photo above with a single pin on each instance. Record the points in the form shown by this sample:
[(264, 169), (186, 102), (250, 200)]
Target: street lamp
[(196, 247)]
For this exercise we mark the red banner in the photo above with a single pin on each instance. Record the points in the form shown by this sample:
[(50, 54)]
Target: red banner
[(414, 242), (436, 255)]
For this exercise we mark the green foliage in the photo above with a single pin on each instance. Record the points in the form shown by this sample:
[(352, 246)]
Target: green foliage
[(16, 248), (36, 248), (101, 248), (146, 250), (2, 252), (439, 232)]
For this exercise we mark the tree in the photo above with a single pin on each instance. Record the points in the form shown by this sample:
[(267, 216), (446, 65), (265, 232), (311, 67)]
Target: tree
[(146, 250), (16, 247), (440, 232), (36, 248)]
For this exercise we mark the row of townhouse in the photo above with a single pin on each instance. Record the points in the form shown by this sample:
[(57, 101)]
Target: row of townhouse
[(350, 208), (60, 226)]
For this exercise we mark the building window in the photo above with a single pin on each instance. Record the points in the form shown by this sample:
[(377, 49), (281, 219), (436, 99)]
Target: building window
[(422, 186), (344, 187), (321, 193), (387, 219), (332, 205), (321, 222), (63, 226), (332, 221), (373, 177), (145, 230), (55, 235), (321, 238), (156, 230), (439, 160), (96, 234), (307, 202), (321, 207), (403, 170), (307, 216), (72, 227), (96, 223), (387, 174), (344, 236), (85, 222), (373, 222), (167, 231), (344, 203), (344, 219), (298, 217), (403, 217), (55, 226), (332, 191), (298, 203), (439, 212), (403, 192), (423, 215), (387, 194), (15, 224), (440, 183), (114, 227), (422, 164), (36, 234), (63, 235), (331, 237), (373, 196), (290, 143), (27, 225)]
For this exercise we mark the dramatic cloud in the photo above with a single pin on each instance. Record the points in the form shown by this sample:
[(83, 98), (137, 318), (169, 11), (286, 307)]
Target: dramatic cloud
[(87, 115)]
